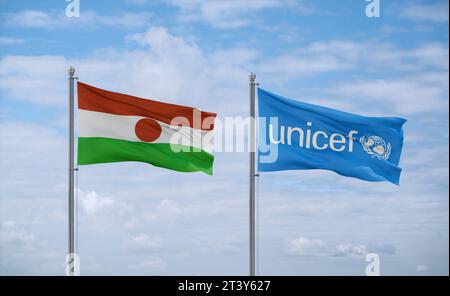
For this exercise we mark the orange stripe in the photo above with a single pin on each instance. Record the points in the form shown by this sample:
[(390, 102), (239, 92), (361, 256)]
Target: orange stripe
[(100, 100)]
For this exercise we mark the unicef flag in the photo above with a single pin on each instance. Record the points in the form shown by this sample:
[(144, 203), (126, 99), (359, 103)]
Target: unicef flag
[(299, 136)]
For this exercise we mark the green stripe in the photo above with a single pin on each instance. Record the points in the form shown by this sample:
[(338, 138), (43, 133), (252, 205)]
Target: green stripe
[(105, 150)]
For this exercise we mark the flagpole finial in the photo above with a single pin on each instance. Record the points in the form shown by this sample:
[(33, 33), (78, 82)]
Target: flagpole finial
[(71, 71), (252, 77)]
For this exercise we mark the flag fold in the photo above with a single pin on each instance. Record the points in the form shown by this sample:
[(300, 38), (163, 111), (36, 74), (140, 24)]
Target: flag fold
[(114, 127), (300, 136)]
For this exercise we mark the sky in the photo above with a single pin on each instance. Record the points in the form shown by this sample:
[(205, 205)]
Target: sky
[(135, 219)]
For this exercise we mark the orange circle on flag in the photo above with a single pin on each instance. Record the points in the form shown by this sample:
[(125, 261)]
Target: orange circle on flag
[(147, 130)]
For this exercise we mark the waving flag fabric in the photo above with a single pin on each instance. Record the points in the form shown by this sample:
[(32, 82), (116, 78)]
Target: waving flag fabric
[(300, 136), (114, 127)]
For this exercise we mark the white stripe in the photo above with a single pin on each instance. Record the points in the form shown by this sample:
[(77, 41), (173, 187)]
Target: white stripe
[(106, 125)]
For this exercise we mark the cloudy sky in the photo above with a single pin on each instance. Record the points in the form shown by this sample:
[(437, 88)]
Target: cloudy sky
[(137, 219)]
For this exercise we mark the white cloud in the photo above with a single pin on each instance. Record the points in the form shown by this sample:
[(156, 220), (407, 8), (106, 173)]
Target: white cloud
[(151, 264), (342, 55), (422, 268), (10, 233), (124, 20), (316, 247), (29, 18), (294, 65), (45, 78), (10, 40), (351, 250), (87, 19), (436, 12), (228, 245), (388, 249), (20, 144), (136, 2), (225, 13), (162, 42), (91, 202), (161, 66), (168, 209), (306, 246), (424, 88), (422, 93), (145, 242), (431, 54), (164, 68), (22, 253)]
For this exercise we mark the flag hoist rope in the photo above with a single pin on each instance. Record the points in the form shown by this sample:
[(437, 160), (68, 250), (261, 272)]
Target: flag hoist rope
[(258, 208), (252, 176), (258, 212)]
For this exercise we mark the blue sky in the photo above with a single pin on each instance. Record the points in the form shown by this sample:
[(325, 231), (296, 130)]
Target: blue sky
[(137, 219)]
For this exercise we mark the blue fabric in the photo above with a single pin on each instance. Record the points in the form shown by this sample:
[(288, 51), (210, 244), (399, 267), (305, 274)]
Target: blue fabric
[(315, 137)]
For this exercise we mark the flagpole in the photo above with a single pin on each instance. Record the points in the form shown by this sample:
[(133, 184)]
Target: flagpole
[(71, 201), (252, 232)]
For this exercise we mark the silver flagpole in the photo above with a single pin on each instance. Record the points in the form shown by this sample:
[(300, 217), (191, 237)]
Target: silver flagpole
[(71, 266), (252, 78)]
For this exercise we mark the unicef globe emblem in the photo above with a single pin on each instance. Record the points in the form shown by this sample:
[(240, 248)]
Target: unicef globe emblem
[(376, 147)]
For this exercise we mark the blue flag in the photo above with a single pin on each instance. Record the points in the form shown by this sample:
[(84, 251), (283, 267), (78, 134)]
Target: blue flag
[(299, 136)]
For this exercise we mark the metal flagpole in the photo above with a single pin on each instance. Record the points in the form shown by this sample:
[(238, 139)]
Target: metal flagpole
[(71, 270), (252, 232)]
